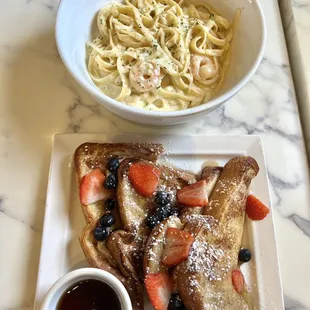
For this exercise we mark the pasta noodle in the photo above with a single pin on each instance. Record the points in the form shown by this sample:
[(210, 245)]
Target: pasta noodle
[(160, 55)]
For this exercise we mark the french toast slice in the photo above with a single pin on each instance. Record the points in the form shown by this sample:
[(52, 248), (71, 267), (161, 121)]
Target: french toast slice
[(155, 243), (122, 252), (90, 156), (105, 255), (204, 279), (134, 208)]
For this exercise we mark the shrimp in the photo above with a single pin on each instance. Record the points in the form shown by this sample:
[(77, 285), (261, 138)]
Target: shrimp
[(144, 76), (203, 68)]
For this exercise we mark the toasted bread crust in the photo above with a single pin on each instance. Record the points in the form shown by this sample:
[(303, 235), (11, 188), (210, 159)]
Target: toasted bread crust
[(95, 155)]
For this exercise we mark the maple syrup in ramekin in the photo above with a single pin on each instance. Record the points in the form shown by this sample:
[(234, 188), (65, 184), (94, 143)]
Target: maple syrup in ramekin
[(89, 295)]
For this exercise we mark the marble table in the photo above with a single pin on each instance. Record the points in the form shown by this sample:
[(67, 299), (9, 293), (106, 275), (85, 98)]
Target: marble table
[(296, 23), (39, 99)]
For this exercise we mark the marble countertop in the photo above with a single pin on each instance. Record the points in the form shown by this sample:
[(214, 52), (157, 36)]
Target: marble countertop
[(296, 23), (39, 99)]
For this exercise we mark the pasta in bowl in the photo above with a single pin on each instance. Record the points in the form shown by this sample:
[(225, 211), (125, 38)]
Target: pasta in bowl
[(161, 55), (185, 61)]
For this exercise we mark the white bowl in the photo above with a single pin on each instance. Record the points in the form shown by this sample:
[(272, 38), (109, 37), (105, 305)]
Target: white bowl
[(52, 297), (74, 26)]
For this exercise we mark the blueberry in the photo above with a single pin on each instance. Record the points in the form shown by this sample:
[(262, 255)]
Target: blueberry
[(152, 221), (162, 212), (245, 255), (110, 204), (174, 211), (176, 303), (110, 181), (107, 220), (101, 233), (162, 198), (113, 164)]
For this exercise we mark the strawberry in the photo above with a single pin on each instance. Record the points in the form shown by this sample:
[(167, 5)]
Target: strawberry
[(255, 209), (237, 280), (91, 187), (144, 177), (194, 195), (159, 287), (177, 246)]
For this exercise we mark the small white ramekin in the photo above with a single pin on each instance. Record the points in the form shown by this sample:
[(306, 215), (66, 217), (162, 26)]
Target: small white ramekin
[(51, 300)]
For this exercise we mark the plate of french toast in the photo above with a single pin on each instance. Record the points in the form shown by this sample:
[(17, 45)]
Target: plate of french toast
[(183, 222)]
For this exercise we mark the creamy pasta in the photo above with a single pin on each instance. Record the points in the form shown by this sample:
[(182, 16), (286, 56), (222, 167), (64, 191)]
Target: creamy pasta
[(161, 55)]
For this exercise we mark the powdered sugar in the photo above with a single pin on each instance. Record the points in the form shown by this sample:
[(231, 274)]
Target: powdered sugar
[(206, 221), (223, 186), (206, 258)]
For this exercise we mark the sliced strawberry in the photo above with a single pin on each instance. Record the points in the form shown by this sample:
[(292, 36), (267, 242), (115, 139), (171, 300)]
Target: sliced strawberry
[(177, 246), (237, 280), (194, 195), (255, 209), (144, 178), (159, 287), (91, 187)]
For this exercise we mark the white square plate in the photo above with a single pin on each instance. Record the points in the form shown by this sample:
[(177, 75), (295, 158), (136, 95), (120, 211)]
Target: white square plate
[(63, 223)]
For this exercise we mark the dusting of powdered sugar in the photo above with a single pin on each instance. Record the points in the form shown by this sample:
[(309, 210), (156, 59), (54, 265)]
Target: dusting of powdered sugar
[(206, 259), (207, 222), (223, 186)]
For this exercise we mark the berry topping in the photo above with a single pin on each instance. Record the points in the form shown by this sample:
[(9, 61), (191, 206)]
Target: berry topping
[(101, 233), (113, 164), (177, 246), (245, 255), (255, 209), (159, 287), (194, 195), (162, 198), (144, 177), (110, 182), (152, 221), (91, 188), (107, 220), (237, 280), (176, 303), (162, 212), (110, 204), (174, 211)]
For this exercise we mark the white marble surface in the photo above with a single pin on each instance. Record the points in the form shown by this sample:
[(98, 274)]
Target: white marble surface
[(38, 98), (296, 23)]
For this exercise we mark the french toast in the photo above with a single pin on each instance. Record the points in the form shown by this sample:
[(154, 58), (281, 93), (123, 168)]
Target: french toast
[(90, 156), (121, 253), (203, 279), (155, 243), (170, 231)]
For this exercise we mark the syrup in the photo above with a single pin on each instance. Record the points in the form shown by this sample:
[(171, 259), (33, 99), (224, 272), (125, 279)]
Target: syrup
[(89, 295)]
